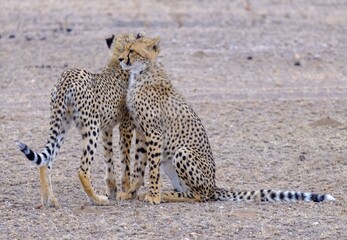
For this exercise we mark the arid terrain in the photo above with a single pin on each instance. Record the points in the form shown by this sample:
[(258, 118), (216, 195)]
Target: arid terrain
[(268, 79)]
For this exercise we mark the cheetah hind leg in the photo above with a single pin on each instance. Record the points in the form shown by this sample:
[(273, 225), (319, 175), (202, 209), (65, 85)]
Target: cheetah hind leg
[(172, 196), (188, 196), (48, 199), (198, 184), (89, 148), (89, 189)]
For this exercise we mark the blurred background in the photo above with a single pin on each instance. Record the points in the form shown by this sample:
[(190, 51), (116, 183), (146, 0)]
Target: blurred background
[(226, 49)]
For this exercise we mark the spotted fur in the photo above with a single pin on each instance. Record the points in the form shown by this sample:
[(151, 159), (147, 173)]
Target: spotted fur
[(170, 134), (95, 102)]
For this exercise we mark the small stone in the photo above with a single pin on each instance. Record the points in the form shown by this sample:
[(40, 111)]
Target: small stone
[(249, 58), (12, 36), (38, 206), (297, 63), (69, 30), (297, 60), (302, 158)]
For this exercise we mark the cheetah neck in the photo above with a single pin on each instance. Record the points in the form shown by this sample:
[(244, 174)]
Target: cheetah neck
[(136, 69), (113, 68)]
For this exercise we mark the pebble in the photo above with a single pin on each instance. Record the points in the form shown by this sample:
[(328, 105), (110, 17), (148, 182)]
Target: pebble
[(297, 60), (12, 36), (302, 158)]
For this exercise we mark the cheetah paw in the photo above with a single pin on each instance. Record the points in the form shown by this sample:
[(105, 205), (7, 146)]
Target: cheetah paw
[(111, 189), (125, 185), (152, 199), (101, 200), (142, 196), (51, 202), (124, 196), (111, 193)]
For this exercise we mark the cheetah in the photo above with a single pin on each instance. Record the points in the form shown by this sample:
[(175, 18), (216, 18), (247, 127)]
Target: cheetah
[(169, 135), (95, 102)]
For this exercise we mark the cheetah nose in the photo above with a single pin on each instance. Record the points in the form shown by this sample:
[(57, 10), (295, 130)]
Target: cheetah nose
[(121, 59)]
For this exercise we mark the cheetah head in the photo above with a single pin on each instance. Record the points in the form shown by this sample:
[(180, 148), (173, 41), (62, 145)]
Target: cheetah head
[(117, 43), (140, 53)]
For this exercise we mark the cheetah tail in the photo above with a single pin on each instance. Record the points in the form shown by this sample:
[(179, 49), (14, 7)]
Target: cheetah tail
[(270, 196), (40, 159)]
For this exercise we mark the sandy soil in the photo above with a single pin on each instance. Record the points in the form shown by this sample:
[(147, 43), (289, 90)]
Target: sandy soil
[(268, 78)]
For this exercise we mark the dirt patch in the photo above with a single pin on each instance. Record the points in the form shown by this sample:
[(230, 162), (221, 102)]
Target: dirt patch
[(326, 122)]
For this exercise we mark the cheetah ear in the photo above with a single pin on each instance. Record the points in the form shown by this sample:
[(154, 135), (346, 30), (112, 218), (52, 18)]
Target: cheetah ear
[(156, 44), (109, 41), (153, 47), (140, 35)]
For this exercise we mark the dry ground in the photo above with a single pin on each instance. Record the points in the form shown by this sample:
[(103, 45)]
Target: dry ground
[(268, 78)]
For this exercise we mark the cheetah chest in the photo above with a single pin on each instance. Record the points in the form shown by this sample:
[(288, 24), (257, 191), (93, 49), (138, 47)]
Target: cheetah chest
[(133, 89)]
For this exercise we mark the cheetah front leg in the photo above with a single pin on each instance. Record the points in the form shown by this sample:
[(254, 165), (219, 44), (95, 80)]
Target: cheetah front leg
[(125, 136), (154, 143), (139, 168), (48, 199), (89, 139), (110, 178)]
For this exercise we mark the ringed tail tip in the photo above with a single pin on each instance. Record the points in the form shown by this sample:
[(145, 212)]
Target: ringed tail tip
[(20, 145), (329, 197)]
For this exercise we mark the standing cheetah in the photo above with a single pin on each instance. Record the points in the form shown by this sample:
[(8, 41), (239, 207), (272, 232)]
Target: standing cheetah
[(171, 135), (95, 103)]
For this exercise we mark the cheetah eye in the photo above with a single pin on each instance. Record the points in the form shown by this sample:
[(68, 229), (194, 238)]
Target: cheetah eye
[(131, 51)]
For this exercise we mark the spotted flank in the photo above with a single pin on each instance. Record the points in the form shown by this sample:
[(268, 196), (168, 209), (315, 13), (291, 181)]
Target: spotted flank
[(268, 195)]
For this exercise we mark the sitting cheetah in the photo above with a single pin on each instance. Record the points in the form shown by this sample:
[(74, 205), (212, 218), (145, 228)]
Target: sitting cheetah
[(170, 135), (96, 103)]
